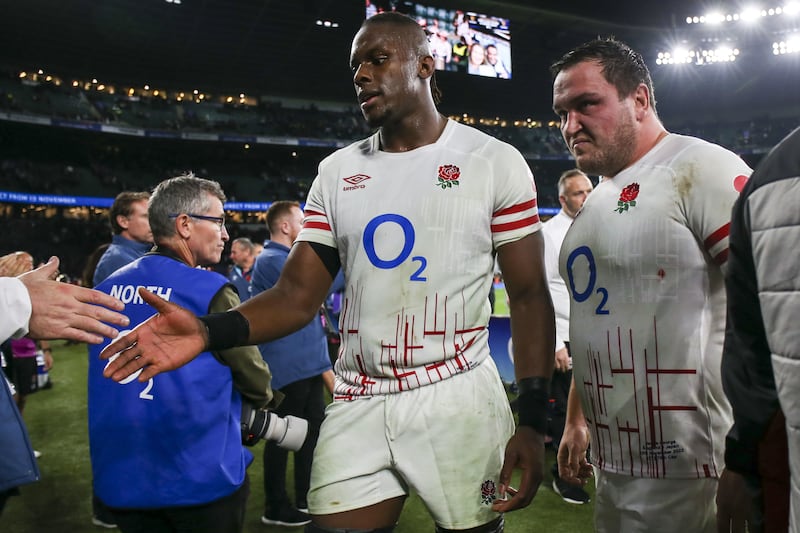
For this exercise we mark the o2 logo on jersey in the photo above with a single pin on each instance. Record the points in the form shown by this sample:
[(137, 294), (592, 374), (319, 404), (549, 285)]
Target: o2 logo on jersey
[(408, 245), (584, 294)]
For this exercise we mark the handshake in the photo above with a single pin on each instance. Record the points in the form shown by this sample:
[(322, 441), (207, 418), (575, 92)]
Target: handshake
[(289, 433)]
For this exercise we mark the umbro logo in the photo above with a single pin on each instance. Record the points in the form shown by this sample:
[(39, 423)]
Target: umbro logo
[(356, 182)]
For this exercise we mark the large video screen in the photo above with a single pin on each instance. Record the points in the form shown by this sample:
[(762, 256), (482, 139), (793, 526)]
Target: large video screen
[(461, 41)]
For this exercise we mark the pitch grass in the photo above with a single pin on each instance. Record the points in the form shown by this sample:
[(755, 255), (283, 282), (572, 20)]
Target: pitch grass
[(60, 501)]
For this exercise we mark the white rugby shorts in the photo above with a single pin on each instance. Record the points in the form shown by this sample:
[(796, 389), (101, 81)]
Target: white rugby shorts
[(443, 441), (645, 505)]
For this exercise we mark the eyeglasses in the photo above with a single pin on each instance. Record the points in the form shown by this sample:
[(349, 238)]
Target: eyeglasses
[(219, 221)]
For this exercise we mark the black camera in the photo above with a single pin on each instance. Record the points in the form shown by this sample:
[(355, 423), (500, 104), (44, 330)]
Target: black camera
[(289, 432)]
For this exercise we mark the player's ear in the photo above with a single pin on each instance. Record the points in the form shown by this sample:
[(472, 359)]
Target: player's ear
[(641, 97), (426, 67)]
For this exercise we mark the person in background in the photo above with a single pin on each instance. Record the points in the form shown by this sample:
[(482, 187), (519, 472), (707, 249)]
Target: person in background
[(36, 305), (758, 489), (644, 263), (298, 362), (131, 235), (177, 461), (244, 257), (414, 215), (23, 367), (573, 189)]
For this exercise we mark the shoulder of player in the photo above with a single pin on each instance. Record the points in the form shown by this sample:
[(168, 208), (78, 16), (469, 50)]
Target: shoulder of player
[(345, 154), (705, 154), (469, 140)]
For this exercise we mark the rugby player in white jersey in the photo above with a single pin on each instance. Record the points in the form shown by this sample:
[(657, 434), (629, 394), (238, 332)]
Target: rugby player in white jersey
[(643, 262), (414, 215)]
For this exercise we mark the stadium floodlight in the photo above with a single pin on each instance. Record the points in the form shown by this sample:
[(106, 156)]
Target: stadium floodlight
[(790, 45), (749, 14), (698, 56), (327, 23)]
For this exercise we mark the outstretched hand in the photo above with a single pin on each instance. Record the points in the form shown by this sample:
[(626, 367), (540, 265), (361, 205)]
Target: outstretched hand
[(525, 450), (163, 342), (66, 311)]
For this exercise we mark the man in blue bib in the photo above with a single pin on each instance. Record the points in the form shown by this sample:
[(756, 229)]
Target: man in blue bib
[(168, 452)]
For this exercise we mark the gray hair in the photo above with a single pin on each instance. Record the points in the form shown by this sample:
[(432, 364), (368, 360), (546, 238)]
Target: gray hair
[(182, 194)]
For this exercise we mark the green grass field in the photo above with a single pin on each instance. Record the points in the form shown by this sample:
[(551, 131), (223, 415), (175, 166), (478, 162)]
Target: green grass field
[(500, 301), (60, 502)]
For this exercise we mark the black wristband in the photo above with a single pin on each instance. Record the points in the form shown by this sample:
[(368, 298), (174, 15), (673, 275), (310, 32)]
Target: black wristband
[(534, 396), (226, 330)]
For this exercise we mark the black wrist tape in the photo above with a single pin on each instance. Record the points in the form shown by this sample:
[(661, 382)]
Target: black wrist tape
[(534, 396), (226, 330)]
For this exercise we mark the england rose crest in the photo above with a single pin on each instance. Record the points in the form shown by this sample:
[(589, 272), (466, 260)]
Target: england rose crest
[(627, 198), (488, 492), (448, 176)]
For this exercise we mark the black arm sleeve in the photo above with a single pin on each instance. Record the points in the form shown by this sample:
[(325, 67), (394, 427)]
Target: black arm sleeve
[(329, 257)]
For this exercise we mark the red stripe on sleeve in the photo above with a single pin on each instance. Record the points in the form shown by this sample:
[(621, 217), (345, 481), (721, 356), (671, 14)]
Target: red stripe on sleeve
[(310, 213), (717, 236), (721, 257), (317, 225), (508, 226), (516, 208)]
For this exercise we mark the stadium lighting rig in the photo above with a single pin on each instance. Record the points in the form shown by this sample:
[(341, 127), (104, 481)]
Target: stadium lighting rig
[(750, 14), (698, 56), (790, 45), (719, 36)]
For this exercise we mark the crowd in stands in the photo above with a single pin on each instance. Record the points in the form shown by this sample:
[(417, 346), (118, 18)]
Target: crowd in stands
[(269, 117), (44, 159)]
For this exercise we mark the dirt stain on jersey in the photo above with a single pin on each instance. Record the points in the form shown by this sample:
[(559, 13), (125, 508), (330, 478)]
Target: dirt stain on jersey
[(684, 178)]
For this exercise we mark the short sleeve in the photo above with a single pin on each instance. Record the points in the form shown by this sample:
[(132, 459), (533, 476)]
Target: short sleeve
[(316, 223), (711, 188), (515, 213)]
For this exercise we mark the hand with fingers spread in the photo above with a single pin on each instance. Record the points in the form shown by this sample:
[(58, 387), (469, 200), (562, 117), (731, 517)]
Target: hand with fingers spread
[(65, 311), (525, 450), (166, 341)]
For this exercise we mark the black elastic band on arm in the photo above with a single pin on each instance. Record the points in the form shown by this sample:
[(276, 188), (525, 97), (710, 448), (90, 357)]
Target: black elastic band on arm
[(226, 330), (329, 257), (534, 396)]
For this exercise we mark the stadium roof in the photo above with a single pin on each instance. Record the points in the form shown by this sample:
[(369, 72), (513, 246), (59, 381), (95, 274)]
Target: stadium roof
[(276, 47)]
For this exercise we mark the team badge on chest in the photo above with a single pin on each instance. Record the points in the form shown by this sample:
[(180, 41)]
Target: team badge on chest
[(448, 176), (627, 198)]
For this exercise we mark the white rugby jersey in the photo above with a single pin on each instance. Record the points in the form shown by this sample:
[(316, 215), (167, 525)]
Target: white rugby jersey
[(416, 234), (643, 265)]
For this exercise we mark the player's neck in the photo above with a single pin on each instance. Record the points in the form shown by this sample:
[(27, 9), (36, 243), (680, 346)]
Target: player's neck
[(415, 132)]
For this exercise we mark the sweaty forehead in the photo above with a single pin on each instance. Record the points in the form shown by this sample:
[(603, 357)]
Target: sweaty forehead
[(583, 79), (390, 37)]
